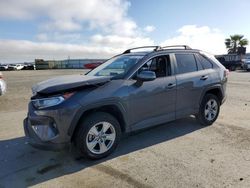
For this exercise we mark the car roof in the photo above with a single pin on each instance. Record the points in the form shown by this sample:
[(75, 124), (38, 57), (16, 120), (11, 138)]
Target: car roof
[(144, 53)]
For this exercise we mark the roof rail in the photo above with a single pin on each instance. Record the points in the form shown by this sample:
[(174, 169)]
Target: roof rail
[(155, 48), (186, 47)]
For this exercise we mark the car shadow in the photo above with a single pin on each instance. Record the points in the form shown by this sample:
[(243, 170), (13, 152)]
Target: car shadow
[(22, 166)]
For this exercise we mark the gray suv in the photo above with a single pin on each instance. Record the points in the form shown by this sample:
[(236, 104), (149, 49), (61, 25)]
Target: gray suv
[(137, 89)]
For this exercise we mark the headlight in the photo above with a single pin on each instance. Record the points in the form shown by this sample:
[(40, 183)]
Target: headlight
[(47, 102)]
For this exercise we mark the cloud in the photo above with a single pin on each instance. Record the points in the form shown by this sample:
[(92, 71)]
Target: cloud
[(42, 37), (204, 38), (59, 37), (99, 47), (120, 42), (27, 51), (59, 45), (61, 25), (149, 28), (72, 15), (96, 28)]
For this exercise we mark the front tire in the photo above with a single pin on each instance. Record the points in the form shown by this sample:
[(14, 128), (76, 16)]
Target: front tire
[(209, 110), (98, 135)]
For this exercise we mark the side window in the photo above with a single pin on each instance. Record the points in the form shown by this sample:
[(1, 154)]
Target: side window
[(186, 63), (206, 64), (160, 65)]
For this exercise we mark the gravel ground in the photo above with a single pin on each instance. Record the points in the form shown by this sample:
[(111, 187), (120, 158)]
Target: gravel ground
[(178, 154)]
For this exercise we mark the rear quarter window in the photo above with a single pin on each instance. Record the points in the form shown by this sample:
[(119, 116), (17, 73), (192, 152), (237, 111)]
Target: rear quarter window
[(186, 63), (206, 64)]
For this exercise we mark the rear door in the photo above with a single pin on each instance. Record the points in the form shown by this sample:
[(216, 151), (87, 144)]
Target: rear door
[(191, 78)]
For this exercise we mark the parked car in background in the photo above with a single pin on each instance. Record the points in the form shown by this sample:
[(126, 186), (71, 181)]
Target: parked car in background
[(4, 67), (2, 85), (246, 64), (92, 65), (131, 91), (15, 67), (29, 67)]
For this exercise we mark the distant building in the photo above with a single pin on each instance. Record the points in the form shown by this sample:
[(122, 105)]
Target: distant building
[(64, 64)]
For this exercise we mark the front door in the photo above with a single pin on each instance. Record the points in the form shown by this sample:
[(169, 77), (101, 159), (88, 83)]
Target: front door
[(153, 102)]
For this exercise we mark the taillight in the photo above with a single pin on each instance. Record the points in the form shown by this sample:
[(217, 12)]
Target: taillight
[(226, 73)]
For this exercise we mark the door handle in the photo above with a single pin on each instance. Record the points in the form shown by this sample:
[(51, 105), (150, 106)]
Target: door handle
[(204, 77), (171, 85)]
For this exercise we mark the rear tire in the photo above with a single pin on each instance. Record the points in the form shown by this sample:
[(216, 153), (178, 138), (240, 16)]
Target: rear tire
[(98, 135), (209, 110)]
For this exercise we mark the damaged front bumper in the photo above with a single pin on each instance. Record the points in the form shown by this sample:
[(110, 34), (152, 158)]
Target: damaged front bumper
[(42, 135), (47, 129)]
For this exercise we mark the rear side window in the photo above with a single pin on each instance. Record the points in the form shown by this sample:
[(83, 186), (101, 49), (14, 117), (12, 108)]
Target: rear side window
[(206, 64), (186, 63)]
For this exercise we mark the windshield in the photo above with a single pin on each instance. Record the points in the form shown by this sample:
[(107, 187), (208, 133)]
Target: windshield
[(116, 67)]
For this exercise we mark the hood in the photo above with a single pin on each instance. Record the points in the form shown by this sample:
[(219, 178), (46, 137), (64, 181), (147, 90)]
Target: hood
[(66, 83)]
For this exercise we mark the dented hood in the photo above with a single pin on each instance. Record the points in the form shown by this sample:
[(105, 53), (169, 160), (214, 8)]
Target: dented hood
[(66, 83)]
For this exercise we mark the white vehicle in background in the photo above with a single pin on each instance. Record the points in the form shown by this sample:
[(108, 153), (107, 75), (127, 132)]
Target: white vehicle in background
[(2, 85), (16, 67), (246, 64), (4, 67)]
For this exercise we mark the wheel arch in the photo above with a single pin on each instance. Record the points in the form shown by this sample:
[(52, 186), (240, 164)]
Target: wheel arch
[(115, 109), (215, 90)]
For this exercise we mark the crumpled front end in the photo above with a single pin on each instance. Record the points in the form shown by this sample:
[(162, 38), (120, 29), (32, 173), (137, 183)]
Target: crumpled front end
[(48, 128)]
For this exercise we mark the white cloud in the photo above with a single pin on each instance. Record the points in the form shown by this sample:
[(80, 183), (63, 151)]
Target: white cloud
[(73, 15), (59, 37), (62, 45), (23, 50), (100, 47), (42, 37), (204, 38), (62, 25), (149, 28), (120, 42)]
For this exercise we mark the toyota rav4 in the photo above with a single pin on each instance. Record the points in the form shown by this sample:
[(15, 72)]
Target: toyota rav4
[(137, 89)]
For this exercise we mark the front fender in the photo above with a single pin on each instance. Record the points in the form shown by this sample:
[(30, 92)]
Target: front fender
[(110, 102)]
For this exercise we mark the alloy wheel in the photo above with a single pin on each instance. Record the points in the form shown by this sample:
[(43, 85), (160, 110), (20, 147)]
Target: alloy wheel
[(211, 109), (101, 137)]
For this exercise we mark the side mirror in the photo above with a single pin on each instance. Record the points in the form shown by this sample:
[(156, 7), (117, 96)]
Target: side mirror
[(145, 76)]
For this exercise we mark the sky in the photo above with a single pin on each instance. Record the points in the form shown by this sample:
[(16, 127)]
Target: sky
[(61, 29)]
